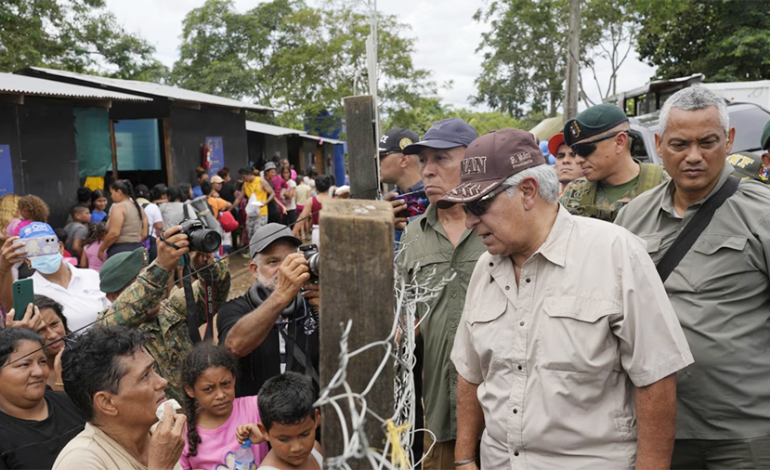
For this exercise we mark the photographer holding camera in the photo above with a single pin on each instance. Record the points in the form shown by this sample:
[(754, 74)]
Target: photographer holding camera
[(273, 327), (136, 294)]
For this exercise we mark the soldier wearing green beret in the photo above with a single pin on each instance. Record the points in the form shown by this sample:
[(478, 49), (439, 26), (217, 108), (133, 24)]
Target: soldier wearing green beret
[(611, 177), (137, 300)]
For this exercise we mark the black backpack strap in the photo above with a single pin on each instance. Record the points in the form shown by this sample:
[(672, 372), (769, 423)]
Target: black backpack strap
[(694, 228)]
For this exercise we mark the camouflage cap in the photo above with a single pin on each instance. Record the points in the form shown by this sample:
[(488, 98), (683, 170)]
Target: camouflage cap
[(748, 165), (765, 136), (120, 270), (593, 121)]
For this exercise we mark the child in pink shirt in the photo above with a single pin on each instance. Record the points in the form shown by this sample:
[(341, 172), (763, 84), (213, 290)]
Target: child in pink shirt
[(213, 412)]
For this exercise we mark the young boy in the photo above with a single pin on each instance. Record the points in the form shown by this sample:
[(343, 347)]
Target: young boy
[(77, 231), (288, 422)]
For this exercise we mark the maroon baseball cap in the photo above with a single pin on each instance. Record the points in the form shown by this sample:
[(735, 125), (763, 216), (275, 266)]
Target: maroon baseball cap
[(490, 160)]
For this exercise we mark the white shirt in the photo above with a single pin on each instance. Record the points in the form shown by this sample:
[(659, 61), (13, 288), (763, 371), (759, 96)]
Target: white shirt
[(82, 300), (153, 215)]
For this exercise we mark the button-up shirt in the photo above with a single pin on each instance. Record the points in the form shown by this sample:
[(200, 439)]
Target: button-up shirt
[(721, 294), (557, 357), (81, 300), (430, 256)]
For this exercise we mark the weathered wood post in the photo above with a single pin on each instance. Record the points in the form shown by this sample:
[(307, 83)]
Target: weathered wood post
[(362, 147), (356, 282)]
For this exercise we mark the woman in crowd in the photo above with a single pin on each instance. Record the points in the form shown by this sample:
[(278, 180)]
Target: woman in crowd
[(154, 218), (288, 194), (35, 421), (187, 192), (52, 329), (309, 225), (127, 225), (174, 210), (213, 412), (98, 206), (90, 257)]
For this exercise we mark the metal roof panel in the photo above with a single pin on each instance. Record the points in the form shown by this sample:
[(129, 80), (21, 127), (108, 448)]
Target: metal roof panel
[(269, 129), (24, 85)]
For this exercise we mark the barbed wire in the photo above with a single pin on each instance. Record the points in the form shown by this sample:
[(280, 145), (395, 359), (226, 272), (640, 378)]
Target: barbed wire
[(399, 346)]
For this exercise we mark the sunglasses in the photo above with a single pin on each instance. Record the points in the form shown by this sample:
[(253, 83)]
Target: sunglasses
[(584, 149), (479, 207)]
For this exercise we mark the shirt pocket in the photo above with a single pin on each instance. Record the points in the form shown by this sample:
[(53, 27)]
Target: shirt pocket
[(653, 247), (492, 339), (575, 335), (717, 261)]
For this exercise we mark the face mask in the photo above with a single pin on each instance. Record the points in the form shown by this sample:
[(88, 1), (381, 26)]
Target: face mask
[(48, 264)]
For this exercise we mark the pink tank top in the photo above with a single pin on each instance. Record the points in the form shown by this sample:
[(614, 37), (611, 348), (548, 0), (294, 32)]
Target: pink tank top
[(92, 253)]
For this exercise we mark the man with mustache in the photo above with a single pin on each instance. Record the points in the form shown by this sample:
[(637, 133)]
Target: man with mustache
[(719, 288), (600, 138), (271, 328)]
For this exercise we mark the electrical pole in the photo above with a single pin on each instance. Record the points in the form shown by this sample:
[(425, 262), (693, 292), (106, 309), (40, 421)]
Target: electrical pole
[(573, 61)]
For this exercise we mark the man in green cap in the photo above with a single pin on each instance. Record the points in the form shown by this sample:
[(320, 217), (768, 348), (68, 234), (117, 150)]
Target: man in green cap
[(599, 136), (137, 301)]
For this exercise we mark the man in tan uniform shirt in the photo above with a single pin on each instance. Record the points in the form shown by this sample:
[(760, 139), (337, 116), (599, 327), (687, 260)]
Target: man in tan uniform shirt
[(110, 377), (568, 346)]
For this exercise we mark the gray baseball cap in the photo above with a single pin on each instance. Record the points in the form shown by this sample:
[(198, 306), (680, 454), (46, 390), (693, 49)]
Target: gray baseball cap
[(268, 234)]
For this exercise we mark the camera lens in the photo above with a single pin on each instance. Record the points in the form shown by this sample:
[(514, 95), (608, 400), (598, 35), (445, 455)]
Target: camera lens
[(312, 264), (205, 240)]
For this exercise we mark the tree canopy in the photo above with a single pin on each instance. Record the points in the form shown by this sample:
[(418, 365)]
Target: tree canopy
[(288, 55), (727, 40), (74, 35)]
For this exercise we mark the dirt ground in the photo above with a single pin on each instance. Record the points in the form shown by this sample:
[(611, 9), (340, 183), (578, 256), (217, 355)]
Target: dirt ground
[(240, 276)]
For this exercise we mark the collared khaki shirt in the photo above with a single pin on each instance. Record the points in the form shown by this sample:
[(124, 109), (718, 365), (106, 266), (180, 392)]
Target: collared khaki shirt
[(721, 294), (557, 357), (429, 255)]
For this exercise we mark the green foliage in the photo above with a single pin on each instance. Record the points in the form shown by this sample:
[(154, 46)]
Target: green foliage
[(420, 117), (303, 60), (727, 40), (74, 35)]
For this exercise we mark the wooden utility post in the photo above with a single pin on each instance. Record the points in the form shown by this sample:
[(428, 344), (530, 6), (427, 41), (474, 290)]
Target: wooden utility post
[(356, 283), (360, 124), (573, 61)]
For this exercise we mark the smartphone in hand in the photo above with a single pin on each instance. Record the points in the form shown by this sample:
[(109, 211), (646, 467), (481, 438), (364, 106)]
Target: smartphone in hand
[(416, 203), (23, 295), (39, 246)]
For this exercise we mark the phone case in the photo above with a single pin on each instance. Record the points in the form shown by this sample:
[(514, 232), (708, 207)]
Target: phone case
[(23, 295), (40, 246), (416, 204)]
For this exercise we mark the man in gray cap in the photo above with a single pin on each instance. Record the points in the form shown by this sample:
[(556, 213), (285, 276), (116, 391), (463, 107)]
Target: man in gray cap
[(567, 359), (437, 246), (271, 328)]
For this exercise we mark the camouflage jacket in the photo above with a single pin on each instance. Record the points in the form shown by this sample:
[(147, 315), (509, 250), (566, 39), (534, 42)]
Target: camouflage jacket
[(586, 198), (166, 326)]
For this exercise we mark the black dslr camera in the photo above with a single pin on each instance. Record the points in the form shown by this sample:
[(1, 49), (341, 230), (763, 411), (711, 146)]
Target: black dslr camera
[(201, 239), (310, 252)]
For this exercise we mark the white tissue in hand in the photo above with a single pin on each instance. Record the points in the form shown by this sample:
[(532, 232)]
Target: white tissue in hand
[(162, 408)]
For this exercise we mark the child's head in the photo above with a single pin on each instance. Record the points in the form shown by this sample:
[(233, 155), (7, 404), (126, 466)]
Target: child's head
[(33, 208), (208, 377), (288, 417), (99, 200), (96, 233), (81, 213)]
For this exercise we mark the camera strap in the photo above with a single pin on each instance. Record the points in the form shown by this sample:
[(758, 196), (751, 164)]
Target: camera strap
[(205, 278)]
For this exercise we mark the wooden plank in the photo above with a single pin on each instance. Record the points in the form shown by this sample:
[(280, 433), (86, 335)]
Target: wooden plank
[(168, 152), (114, 151), (362, 147), (356, 282)]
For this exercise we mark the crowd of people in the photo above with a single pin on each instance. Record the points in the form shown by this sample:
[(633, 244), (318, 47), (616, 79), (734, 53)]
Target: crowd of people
[(598, 289)]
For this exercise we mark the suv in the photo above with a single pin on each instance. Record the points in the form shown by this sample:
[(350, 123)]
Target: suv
[(748, 119)]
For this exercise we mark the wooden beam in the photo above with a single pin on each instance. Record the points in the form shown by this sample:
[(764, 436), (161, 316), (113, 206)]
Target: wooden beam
[(114, 151), (362, 147), (356, 282), (12, 98), (186, 104), (169, 153)]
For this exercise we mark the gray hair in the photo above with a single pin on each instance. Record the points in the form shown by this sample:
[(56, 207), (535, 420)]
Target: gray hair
[(694, 98), (546, 178)]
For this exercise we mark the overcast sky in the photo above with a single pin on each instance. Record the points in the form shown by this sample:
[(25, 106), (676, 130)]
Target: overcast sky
[(447, 39)]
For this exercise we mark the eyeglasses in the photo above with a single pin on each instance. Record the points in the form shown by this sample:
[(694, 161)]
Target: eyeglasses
[(585, 149), (479, 207)]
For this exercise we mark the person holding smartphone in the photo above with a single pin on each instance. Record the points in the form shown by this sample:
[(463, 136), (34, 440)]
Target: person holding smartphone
[(401, 170)]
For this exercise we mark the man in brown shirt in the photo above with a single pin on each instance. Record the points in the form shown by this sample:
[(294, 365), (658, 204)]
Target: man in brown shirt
[(568, 346)]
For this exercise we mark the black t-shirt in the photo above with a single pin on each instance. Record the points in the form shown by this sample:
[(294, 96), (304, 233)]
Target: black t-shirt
[(227, 192), (36, 444), (265, 361)]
